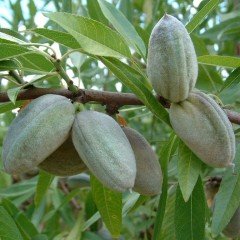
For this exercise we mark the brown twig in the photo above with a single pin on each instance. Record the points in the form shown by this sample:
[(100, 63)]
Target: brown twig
[(66, 191), (110, 99)]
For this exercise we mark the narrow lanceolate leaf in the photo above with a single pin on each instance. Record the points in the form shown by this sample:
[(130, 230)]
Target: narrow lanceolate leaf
[(24, 224), (44, 181), (165, 155), (227, 199), (95, 11), (11, 50), (233, 79), (167, 230), (76, 231), (190, 215), (189, 169), (10, 38), (109, 204), (94, 37), (124, 73), (123, 26), (8, 228), (199, 17), (223, 61), (62, 38)]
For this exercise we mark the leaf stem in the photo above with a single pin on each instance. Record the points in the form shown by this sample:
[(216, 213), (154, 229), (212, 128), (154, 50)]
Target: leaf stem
[(63, 74), (16, 76)]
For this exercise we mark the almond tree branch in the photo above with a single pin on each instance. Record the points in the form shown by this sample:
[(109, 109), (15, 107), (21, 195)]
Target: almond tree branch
[(113, 100)]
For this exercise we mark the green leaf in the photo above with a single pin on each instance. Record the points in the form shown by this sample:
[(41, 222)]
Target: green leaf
[(190, 216), (44, 181), (8, 228), (124, 73), (126, 7), (208, 78), (167, 230), (189, 169), (91, 236), (67, 6), (123, 26), (199, 17), (35, 62), (10, 38), (165, 156), (233, 79), (24, 224), (216, 31), (76, 231), (95, 12), (31, 62), (13, 93), (19, 189), (10, 33), (11, 50), (94, 37), (141, 199), (109, 204), (62, 38), (40, 237), (8, 65), (4, 107), (227, 198), (223, 61)]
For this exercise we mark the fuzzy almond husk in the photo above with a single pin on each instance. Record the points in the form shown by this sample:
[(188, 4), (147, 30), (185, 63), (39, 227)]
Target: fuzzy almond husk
[(37, 131), (204, 127), (105, 149), (172, 65), (149, 174)]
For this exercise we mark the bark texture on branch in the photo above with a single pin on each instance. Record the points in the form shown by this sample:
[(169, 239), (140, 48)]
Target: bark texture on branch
[(112, 100)]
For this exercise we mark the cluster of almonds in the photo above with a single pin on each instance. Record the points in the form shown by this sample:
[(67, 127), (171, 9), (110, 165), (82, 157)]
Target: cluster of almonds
[(52, 135), (195, 117)]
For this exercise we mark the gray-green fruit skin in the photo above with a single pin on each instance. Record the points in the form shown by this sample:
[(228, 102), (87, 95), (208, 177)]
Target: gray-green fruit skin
[(105, 149), (149, 174), (37, 131), (172, 62), (204, 127), (232, 230), (64, 161)]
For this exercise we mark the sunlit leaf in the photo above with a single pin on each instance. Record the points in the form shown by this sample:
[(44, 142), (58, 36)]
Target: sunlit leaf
[(223, 61), (123, 26), (94, 37), (200, 15)]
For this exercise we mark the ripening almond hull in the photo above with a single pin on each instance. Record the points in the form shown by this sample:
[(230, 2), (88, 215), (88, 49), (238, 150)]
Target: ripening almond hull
[(204, 127), (149, 174), (172, 65), (64, 161), (37, 131), (104, 148)]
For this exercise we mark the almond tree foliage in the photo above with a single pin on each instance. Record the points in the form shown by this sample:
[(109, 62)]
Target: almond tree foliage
[(41, 206)]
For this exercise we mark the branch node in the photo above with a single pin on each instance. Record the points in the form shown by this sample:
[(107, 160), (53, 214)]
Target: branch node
[(112, 108), (163, 101), (80, 96)]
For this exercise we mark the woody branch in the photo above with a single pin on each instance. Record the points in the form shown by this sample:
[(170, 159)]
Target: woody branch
[(113, 100)]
